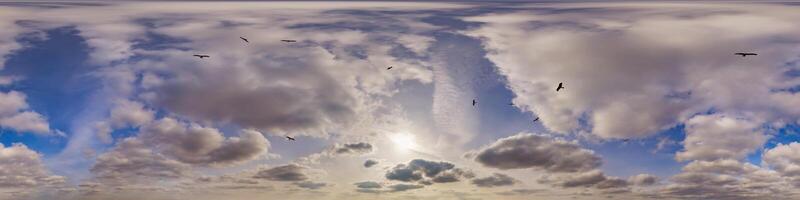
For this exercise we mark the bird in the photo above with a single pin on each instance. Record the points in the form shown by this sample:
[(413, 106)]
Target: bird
[(245, 39), (290, 138), (201, 56), (560, 86), (474, 102), (288, 40), (745, 54), (537, 119), (511, 104), (390, 67), (626, 140)]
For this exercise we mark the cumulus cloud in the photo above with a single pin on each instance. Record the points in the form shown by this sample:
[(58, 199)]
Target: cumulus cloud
[(424, 171), (345, 149), (8, 80), (310, 185), (375, 188), (21, 167), (124, 113), (168, 148), (129, 113), (286, 89), (195, 144), (403, 187), (784, 158), (661, 82), (132, 160), (516, 192), (727, 179), (26, 122), (290, 172), (593, 178), (710, 137), (643, 179), (369, 163), (368, 185), (14, 115), (526, 150), (353, 148), (495, 180)]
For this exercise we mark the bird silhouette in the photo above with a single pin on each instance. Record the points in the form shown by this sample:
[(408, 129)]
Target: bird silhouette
[(511, 104), (201, 56), (745, 54), (390, 67), (625, 140), (245, 39), (537, 119), (288, 40), (474, 102), (290, 138), (560, 86)]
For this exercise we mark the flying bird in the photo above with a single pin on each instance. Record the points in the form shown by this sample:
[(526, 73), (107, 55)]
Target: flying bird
[(560, 86), (390, 67), (290, 138), (537, 119), (626, 140), (201, 56), (245, 39), (474, 102), (511, 104), (288, 40), (745, 54)]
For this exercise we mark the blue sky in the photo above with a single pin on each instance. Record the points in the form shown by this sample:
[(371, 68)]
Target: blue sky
[(106, 101)]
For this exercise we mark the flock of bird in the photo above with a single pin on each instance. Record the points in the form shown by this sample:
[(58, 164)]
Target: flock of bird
[(474, 101)]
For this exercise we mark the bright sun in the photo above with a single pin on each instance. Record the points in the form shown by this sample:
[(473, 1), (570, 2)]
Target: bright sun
[(403, 141)]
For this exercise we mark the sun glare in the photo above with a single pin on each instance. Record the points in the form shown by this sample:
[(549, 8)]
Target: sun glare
[(403, 141)]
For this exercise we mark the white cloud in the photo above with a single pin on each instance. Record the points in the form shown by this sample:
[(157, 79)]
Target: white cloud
[(14, 115), (710, 137), (133, 161), (26, 122), (643, 179), (21, 167), (627, 74), (784, 158), (129, 113)]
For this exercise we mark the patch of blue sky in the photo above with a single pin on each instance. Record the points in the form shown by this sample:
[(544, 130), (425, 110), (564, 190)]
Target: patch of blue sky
[(55, 82)]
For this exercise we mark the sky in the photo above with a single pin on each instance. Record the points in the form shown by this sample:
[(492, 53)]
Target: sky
[(105, 100)]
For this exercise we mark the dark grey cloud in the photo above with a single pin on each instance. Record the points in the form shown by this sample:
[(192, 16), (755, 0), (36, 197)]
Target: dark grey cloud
[(404, 187), (424, 171), (376, 188), (353, 148), (537, 151), (369, 163), (290, 172), (310, 185), (584, 179), (368, 185), (495, 180)]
